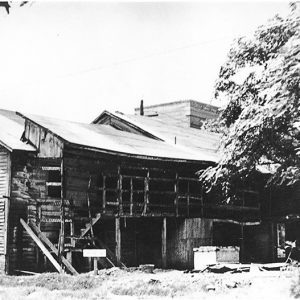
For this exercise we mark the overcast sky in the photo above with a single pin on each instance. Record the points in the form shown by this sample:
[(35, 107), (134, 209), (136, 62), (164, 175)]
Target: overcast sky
[(72, 60)]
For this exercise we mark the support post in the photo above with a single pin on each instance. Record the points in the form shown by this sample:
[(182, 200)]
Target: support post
[(164, 243), (146, 193), (242, 244), (62, 220), (131, 196), (72, 232), (38, 224), (104, 194), (118, 240), (95, 265), (176, 194), (120, 200)]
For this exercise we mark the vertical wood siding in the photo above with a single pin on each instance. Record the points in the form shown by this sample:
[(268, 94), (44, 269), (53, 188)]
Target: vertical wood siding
[(4, 192)]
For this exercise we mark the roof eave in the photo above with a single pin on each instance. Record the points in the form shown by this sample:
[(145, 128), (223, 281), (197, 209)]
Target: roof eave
[(140, 156), (130, 124)]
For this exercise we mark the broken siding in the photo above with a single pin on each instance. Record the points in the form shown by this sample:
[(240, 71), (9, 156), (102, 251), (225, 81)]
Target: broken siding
[(30, 202), (183, 235), (46, 143), (18, 243), (4, 194)]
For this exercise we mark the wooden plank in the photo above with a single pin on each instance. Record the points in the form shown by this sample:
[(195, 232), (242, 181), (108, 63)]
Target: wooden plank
[(93, 222), (247, 223), (118, 240), (146, 193), (89, 210), (119, 189), (53, 184), (42, 247), (131, 196), (6, 215), (104, 194), (55, 250), (164, 243), (47, 168), (62, 222), (176, 193)]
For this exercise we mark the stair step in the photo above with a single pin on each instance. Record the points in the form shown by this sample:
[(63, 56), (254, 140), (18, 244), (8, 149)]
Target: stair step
[(77, 237), (66, 245), (73, 250)]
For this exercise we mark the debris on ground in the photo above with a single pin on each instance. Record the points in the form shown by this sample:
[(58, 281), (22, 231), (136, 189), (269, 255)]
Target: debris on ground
[(239, 268)]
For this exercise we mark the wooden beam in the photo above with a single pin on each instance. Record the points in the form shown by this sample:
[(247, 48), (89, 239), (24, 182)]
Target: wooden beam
[(164, 243), (146, 193), (72, 233), (118, 240), (104, 194), (61, 244), (131, 196), (91, 224), (231, 207), (242, 252), (237, 222), (38, 224), (41, 245), (47, 242), (7, 214), (119, 191), (202, 202), (188, 199), (176, 193)]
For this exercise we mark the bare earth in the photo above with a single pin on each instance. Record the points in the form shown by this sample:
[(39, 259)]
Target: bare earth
[(134, 284)]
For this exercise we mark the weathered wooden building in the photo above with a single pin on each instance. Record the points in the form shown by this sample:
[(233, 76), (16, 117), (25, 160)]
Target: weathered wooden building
[(183, 113), (126, 184)]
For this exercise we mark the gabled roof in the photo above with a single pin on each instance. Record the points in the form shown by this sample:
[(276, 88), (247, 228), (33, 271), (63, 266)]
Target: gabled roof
[(11, 130), (196, 140), (106, 138)]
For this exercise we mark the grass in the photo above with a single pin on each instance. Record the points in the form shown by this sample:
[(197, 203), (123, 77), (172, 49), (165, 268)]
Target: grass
[(134, 284)]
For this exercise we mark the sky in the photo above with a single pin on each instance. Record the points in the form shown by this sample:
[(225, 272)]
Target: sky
[(72, 60)]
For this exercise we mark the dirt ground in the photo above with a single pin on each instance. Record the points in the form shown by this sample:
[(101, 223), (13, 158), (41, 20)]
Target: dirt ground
[(134, 284)]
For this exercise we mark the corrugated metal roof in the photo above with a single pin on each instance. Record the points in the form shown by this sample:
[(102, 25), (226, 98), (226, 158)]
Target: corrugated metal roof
[(193, 139), (105, 137), (12, 127)]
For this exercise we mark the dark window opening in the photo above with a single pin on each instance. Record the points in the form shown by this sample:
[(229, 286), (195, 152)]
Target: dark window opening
[(54, 191), (54, 176)]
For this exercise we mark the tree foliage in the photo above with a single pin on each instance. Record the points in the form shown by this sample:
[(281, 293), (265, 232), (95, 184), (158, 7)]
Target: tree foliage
[(261, 123)]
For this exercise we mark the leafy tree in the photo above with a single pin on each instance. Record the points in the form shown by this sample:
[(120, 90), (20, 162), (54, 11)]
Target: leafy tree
[(261, 123), (7, 5)]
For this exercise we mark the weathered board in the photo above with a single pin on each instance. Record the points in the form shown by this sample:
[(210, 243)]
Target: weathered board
[(4, 193)]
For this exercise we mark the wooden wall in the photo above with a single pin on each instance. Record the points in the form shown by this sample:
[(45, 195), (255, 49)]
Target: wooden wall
[(28, 198), (4, 194), (46, 143), (182, 236)]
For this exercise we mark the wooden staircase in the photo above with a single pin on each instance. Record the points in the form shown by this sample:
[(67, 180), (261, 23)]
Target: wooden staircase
[(48, 248)]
